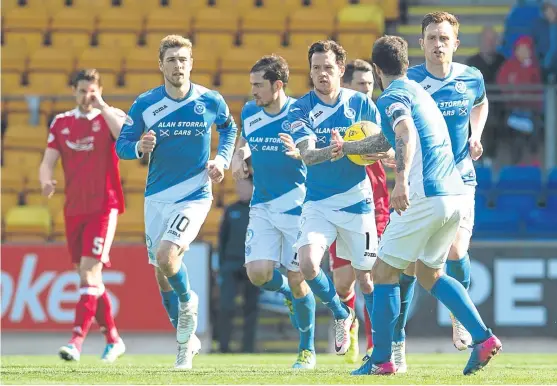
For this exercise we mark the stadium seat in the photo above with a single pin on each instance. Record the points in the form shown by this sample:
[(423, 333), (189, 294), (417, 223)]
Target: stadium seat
[(51, 59), (303, 40), (141, 59), (484, 178), (11, 82), (10, 199), (497, 223), (203, 79), (219, 41), (103, 59), (288, 6), (153, 38), (266, 42), (264, 20), (210, 229), (296, 57), (481, 202), (191, 7), (12, 180), (520, 178), (522, 203), (49, 83), (31, 40), (73, 20), (552, 179), (204, 60), (215, 20), (136, 176), (391, 8), (145, 5), (14, 59), (542, 223), (298, 85), (311, 20), (234, 84), (114, 20), (358, 45), (130, 225), (25, 137), (31, 223), (240, 60), (25, 18), (168, 21), (331, 5), (135, 201), (365, 19), (55, 204), (126, 41), (59, 227), (74, 41), (137, 83)]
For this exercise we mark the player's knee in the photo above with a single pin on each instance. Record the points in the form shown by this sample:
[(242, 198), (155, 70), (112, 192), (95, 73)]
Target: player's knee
[(343, 288), (384, 273), (309, 269), (410, 270), (460, 245), (168, 258), (364, 280), (427, 276), (259, 274)]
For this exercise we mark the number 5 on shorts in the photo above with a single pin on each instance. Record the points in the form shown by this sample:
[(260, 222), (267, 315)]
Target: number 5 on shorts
[(98, 243)]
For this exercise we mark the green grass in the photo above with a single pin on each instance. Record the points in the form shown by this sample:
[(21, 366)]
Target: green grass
[(271, 369)]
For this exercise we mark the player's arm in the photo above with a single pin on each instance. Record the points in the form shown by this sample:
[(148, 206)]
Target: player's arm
[(227, 129), (370, 145), (239, 166), (312, 156), (405, 149), (46, 171), (113, 117), (129, 144), (478, 118)]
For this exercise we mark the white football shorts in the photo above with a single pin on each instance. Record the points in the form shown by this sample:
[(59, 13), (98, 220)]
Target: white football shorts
[(176, 222), (271, 236), (356, 234), (425, 231)]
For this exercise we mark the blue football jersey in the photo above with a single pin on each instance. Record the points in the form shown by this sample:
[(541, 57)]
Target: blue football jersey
[(433, 171), (183, 130), (455, 96), (340, 185), (278, 180)]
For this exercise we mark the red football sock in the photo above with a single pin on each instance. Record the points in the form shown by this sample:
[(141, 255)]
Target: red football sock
[(105, 319), (85, 310), (369, 336), (349, 300)]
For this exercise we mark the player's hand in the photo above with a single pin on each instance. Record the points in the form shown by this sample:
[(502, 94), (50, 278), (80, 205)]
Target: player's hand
[(400, 200), (48, 188), (216, 170), (476, 148), (291, 150), (97, 101), (147, 142), (337, 142), (386, 157), (239, 166)]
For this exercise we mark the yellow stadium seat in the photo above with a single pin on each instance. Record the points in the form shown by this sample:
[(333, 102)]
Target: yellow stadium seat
[(204, 60), (9, 199), (118, 40), (55, 204), (304, 40), (312, 20), (204, 79), (168, 20), (131, 223), (240, 60), (263, 20), (144, 5), (357, 45), (216, 20), (219, 41), (33, 185), (52, 59), (73, 20), (59, 227), (296, 58), (75, 41), (19, 117), (27, 223), (267, 42), (8, 5), (234, 84), (101, 58), (135, 201), (135, 177), (153, 38), (28, 18), (25, 137), (391, 8), (141, 59), (298, 85), (11, 82), (333, 5), (113, 19), (361, 19), (189, 7), (12, 180), (14, 58), (48, 83), (236, 104), (279, 6), (210, 230), (61, 105), (109, 82), (29, 39), (141, 82)]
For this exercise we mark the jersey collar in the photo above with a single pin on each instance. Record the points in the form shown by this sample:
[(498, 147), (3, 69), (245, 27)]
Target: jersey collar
[(436, 78), (188, 94), (288, 100), (89, 116)]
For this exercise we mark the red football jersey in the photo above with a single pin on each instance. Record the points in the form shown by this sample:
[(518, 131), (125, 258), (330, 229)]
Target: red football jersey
[(89, 160), (378, 178)]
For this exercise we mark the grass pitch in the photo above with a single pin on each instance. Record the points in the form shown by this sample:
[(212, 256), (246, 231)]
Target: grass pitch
[(272, 369)]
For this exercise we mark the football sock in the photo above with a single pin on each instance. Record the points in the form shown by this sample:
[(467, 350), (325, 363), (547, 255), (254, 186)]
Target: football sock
[(105, 319), (460, 270), (278, 283), (386, 308), (322, 286), (180, 284), (170, 303), (407, 284), (85, 311), (369, 335), (304, 309), (453, 295)]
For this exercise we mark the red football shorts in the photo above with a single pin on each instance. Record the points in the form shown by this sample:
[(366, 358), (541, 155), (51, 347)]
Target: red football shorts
[(338, 262), (91, 235)]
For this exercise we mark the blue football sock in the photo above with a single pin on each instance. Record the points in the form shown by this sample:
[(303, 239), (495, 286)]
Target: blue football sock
[(460, 270), (322, 286), (181, 284), (304, 309), (407, 284), (278, 283), (170, 303), (386, 308), (453, 295)]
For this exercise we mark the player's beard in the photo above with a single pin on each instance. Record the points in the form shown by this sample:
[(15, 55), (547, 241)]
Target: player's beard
[(176, 83)]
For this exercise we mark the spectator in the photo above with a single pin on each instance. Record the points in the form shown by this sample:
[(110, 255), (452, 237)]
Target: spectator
[(549, 62), (489, 61), (523, 115), (232, 236)]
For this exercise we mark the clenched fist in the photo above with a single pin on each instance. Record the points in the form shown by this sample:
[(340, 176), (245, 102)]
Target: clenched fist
[(147, 142)]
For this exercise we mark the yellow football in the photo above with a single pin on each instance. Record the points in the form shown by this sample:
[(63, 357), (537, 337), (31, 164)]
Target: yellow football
[(357, 132)]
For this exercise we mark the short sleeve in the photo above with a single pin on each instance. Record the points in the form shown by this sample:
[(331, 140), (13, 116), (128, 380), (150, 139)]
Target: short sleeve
[(396, 107), (223, 118), (299, 124), (52, 141), (480, 90), (370, 112)]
